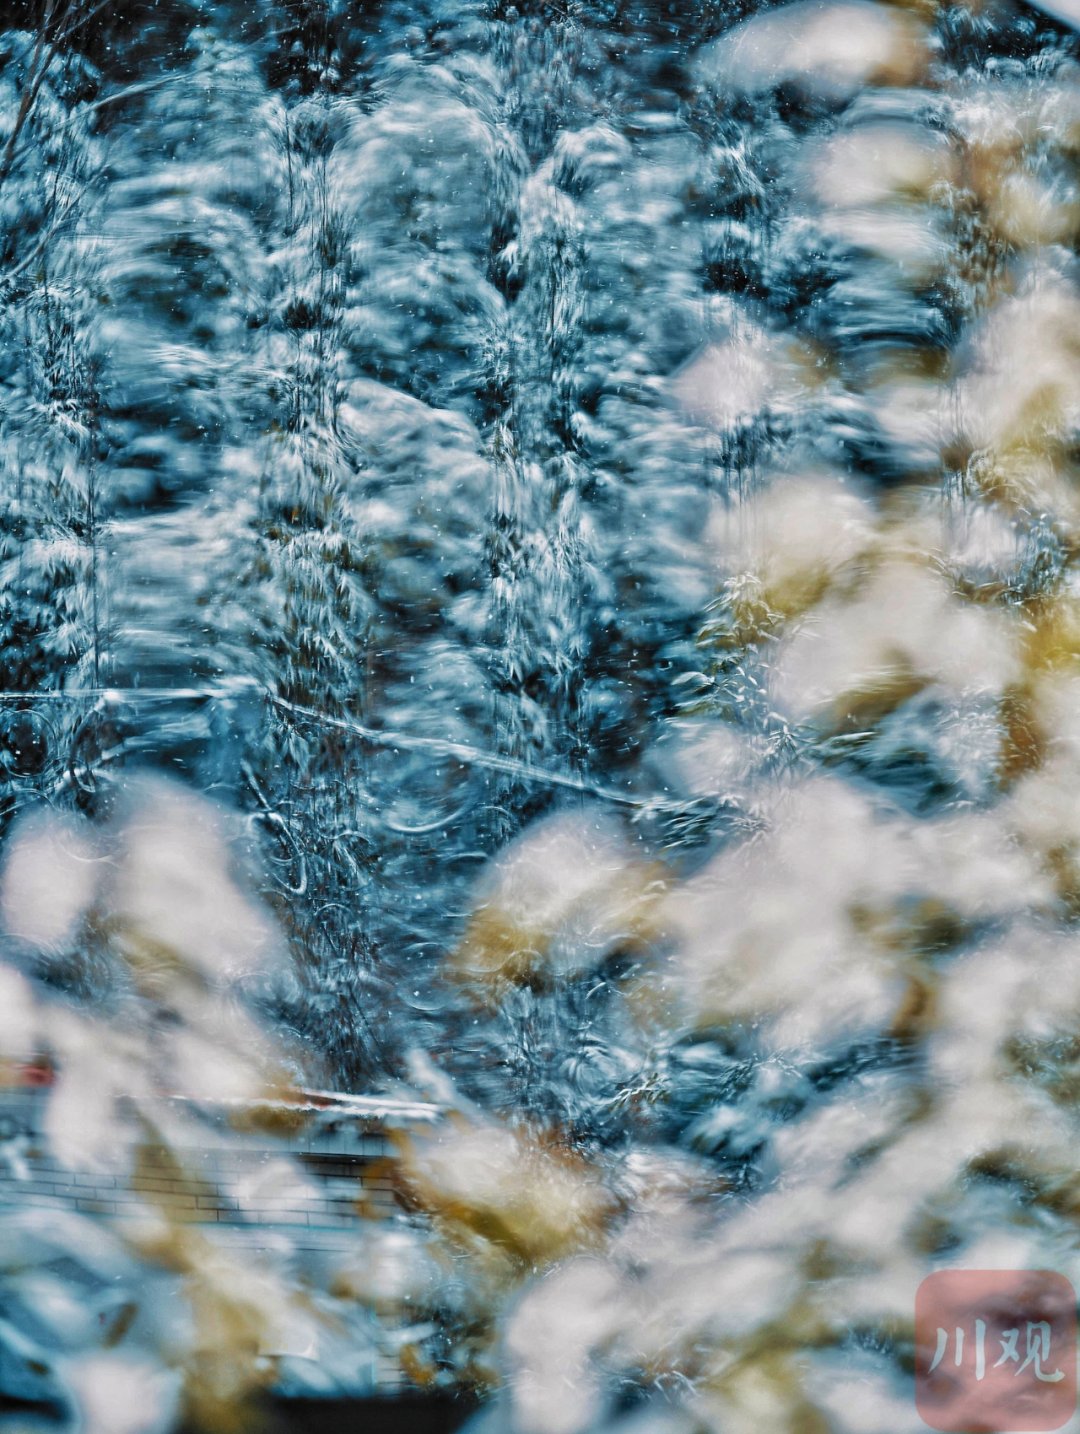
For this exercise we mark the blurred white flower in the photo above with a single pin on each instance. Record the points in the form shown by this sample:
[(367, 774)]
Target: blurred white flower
[(854, 658), (1021, 387), (732, 382), (174, 895), (51, 873), (794, 540), (829, 49), (550, 1344), (556, 903), (20, 1025), (121, 1394)]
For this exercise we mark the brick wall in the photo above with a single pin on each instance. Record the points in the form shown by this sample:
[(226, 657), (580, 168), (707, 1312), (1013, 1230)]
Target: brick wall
[(338, 1176), (318, 1178)]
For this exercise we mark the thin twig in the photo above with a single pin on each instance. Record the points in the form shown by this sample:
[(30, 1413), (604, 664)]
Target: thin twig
[(459, 752), (39, 68), (131, 694)]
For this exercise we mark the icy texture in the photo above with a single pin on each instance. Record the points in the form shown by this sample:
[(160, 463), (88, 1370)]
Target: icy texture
[(538, 586)]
